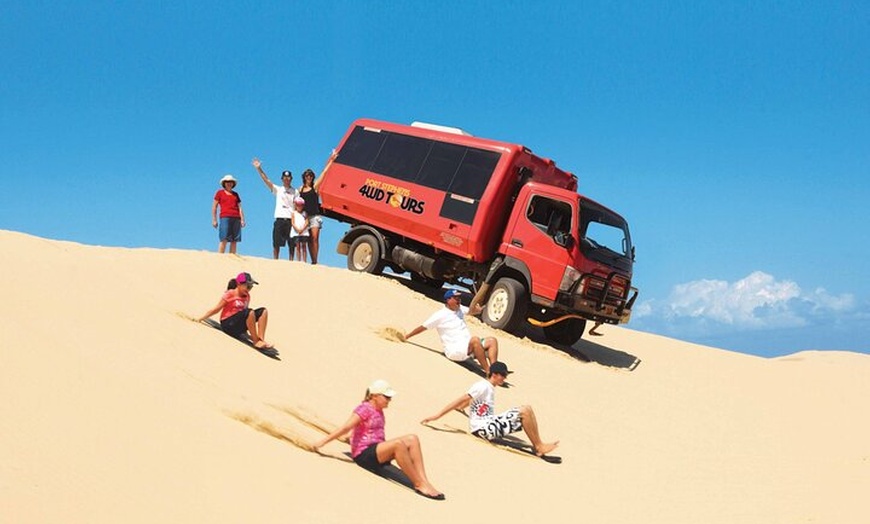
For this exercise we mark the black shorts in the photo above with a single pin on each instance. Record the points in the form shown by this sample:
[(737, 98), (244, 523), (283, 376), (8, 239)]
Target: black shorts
[(368, 459), (237, 325), (281, 232)]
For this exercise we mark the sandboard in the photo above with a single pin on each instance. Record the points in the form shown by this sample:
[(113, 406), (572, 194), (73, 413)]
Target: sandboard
[(244, 339), (508, 443)]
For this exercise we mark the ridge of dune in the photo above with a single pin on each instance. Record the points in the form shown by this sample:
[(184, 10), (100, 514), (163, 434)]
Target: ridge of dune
[(118, 408)]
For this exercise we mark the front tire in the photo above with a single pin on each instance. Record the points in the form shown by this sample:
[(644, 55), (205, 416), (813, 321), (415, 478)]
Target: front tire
[(507, 305), (364, 255), (566, 332)]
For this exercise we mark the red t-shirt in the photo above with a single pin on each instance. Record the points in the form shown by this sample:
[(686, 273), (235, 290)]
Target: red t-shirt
[(233, 303), (229, 203)]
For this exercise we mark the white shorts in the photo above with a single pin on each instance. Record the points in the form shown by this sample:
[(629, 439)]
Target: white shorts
[(457, 351), (500, 425)]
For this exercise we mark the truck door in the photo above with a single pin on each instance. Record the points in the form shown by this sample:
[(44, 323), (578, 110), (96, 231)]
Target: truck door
[(533, 240)]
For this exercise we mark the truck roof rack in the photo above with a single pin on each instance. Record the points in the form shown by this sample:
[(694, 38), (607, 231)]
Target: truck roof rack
[(445, 129)]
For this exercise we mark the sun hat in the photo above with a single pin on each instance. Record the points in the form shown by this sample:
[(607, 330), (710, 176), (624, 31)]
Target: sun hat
[(246, 278), (287, 174), (450, 293), (381, 387), (500, 368), (228, 178)]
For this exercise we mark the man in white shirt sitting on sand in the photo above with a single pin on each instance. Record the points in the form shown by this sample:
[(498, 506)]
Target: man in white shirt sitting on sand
[(458, 343)]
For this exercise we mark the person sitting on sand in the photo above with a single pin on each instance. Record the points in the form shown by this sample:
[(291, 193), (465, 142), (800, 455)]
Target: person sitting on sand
[(482, 420), (236, 317), (369, 447), (458, 343)]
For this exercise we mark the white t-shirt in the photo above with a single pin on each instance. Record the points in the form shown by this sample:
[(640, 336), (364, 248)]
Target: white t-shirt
[(284, 201), (298, 221), (452, 330), (482, 395)]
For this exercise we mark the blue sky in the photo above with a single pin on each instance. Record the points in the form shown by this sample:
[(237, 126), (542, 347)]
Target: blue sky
[(733, 136)]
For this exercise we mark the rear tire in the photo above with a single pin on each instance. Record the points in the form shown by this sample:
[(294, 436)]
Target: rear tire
[(567, 332), (507, 304), (364, 255)]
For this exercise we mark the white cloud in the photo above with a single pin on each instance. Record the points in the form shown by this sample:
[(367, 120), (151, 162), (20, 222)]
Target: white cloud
[(757, 302)]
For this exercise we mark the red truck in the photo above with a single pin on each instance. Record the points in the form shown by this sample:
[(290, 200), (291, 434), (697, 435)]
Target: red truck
[(491, 216)]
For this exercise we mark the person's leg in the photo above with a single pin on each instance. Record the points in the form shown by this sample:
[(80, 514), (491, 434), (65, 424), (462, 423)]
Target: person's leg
[(234, 234), (223, 234), (303, 248), (475, 349), (257, 326), (530, 426), (490, 344), (406, 451), (314, 243)]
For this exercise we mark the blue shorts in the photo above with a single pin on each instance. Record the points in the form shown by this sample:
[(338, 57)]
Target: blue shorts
[(230, 229)]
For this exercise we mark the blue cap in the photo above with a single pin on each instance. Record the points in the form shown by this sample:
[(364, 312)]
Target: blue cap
[(450, 293)]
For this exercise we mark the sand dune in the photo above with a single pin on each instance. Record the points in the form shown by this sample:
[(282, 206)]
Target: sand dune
[(118, 408)]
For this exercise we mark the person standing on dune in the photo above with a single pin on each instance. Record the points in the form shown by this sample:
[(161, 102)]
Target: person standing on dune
[(232, 218)]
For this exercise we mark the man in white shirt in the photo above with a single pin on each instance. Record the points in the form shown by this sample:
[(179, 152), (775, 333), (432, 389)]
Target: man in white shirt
[(458, 343), (484, 423), (285, 194)]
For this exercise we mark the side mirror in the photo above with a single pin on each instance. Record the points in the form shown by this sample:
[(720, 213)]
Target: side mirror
[(564, 239)]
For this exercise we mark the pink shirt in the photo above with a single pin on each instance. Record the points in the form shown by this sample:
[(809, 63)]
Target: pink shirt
[(369, 431), (233, 303)]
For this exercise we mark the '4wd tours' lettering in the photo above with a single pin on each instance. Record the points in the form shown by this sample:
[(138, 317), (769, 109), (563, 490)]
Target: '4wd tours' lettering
[(398, 197)]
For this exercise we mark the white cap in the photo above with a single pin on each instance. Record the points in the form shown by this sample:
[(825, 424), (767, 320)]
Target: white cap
[(228, 178), (381, 387)]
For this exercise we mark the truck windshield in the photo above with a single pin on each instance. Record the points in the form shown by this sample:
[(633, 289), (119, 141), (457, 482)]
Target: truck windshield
[(604, 236)]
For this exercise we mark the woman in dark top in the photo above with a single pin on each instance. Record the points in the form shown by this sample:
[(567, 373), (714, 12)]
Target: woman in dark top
[(308, 192)]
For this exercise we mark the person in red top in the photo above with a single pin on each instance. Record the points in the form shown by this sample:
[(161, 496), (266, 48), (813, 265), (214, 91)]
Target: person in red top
[(232, 218), (236, 317)]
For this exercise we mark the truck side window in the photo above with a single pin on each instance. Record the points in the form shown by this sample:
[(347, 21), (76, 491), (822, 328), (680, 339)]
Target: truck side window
[(550, 216)]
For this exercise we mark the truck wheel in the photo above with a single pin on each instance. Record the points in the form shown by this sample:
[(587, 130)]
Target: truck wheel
[(507, 304), (566, 332), (365, 255)]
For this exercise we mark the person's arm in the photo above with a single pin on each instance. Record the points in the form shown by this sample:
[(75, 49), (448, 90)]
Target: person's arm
[(259, 166), (475, 309), (460, 403), (349, 425), (319, 179), (414, 332), (212, 311), (241, 214), (214, 207)]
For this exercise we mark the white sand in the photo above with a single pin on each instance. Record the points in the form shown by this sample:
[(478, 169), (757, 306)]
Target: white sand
[(118, 409)]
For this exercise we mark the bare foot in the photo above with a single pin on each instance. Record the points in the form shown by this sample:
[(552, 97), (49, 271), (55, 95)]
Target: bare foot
[(545, 448), (262, 344)]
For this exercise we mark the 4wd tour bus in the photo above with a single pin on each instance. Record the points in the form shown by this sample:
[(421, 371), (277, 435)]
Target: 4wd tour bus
[(491, 216)]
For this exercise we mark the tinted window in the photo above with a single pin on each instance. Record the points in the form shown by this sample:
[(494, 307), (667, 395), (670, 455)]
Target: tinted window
[(441, 165), (474, 173), (401, 156), (361, 148), (550, 216)]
